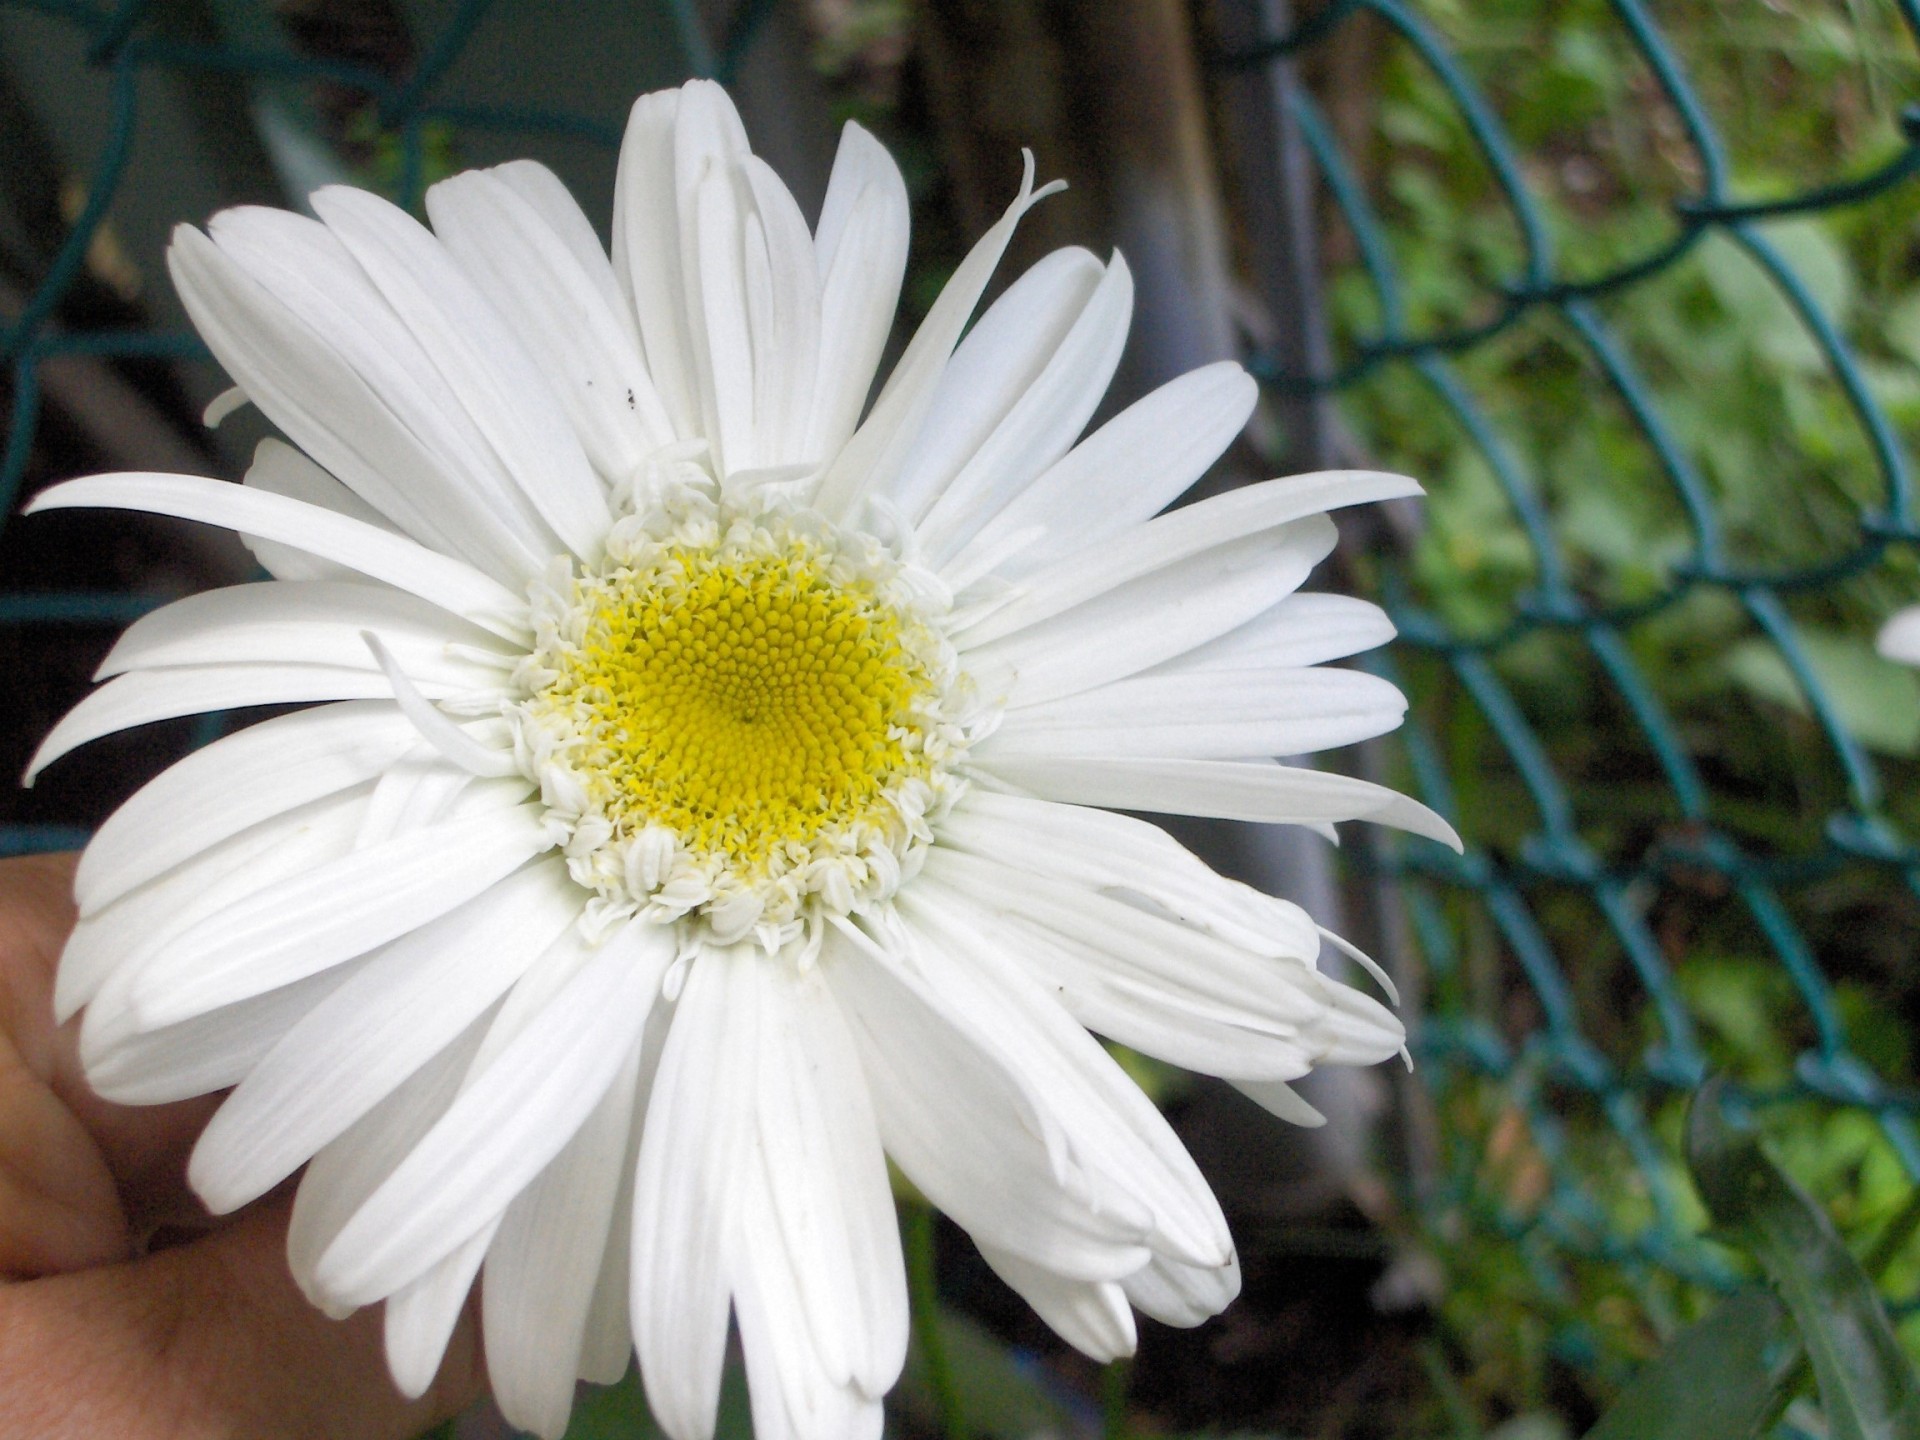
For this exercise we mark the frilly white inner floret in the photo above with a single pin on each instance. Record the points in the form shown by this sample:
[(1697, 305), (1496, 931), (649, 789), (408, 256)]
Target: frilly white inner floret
[(741, 713)]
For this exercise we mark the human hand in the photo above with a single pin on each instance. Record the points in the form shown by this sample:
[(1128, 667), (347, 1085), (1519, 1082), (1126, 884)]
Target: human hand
[(125, 1310)]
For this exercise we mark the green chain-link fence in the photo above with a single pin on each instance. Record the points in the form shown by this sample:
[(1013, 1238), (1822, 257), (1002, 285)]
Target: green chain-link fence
[(1564, 1019), (1559, 1082)]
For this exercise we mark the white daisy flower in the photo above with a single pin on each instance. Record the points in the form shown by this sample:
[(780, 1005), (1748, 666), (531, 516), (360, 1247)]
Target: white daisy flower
[(1899, 637), (699, 803)]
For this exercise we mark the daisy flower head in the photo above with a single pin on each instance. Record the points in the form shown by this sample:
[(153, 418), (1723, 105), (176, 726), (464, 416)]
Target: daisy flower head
[(707, 786)]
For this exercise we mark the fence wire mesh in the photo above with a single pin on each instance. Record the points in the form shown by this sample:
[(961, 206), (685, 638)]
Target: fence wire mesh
[(1562, 1026)]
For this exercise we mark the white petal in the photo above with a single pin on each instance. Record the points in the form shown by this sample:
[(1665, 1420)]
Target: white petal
[(504, 394), (542, 1266), (1091, 1316), (1184, 1295), (338, 910), (1229, 790), (861, 243), (826, 1180), (692, 1154), (607, 1349), (793, 1392), (871, 460), (954, 1118), (1152, 617), (1206, 715), (107, 949), (723, 352), (1899, 638), (1303, 629), (672, 136), (328, 363), (341, 1177), (504, 1127), (453, 586), (786, 322), (1116, 1134), (564, 307), (279, 469), (405, 1004), (992, 370), (209, 1052), (310, 622), (1191, 531), (1151, 983), (1279, 1098), (1122, 475), (556, 208), (240, 779), (1037, 429), (421, 1315), (646, 253), (150, 695)]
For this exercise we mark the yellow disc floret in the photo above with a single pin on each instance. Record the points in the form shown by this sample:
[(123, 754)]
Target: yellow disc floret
[(744, 716), (747, 704)]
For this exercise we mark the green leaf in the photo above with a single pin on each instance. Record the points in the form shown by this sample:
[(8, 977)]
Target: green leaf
[(1002, 1398), (1718, 1379), (1868, 1388), (1877, 700)]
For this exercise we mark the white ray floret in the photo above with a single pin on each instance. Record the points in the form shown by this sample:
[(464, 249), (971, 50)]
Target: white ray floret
[(700, 803)]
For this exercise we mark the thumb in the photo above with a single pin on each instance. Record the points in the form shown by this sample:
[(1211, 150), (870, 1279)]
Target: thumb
[(205, 1340)]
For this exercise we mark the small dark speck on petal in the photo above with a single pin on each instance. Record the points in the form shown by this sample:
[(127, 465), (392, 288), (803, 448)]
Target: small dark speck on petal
[(630, 404)]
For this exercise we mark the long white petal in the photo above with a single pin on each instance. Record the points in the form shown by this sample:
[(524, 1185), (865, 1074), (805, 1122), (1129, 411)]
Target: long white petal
[(1303, 629), (861, 244), (542, 1266), (721, 329), (1184, 1295), (565, 308), (693, 1153), (794, 1390), (819, 1146), (341, 1177), (311, 622), (992, 370), (1164, 989), (449, 583), (1206, 715), (954, 1118), (237, 781), (504, 394), (784, 310), (279, 469), (1124, 857), (1279, 1098), (870, 460), (342, 379), (150, 695), (1040, 426), (646, 253), (1091, 1316), (408, 1002), (505, 1126), (1226, 789), (1173, 537), (107, 949), (1122, 475), (1152, 617), (209, 1052), (1124, 1143), (339, 910), (421, 1315)]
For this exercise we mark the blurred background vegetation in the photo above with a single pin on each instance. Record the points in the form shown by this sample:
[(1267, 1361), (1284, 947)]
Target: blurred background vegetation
[(1694, 559)]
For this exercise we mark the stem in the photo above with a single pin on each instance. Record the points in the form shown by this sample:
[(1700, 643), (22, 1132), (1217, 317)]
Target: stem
[(923, 1288), (1115, 1380)]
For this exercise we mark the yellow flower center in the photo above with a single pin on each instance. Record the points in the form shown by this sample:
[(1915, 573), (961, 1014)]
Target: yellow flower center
[(746, 702)]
